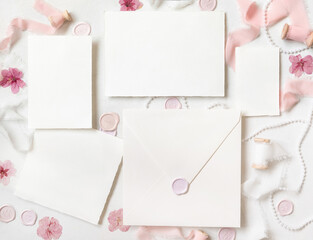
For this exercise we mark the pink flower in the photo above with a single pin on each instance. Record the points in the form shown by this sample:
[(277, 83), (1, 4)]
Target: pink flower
[(300, 65), (12, 77), (130, 5), (49, 229), (116, 221), (6, 171)]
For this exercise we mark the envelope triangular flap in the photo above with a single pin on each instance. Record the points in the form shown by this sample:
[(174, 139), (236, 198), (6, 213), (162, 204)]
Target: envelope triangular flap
[(179, 142)]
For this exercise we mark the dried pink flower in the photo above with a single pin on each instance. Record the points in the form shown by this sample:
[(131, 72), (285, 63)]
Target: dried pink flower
[(13, 78), (130, 5), (49, 229), (6, 171), (300, 65), (116, 221)]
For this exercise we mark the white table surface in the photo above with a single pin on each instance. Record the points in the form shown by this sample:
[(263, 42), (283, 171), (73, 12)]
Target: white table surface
[(92, 11)]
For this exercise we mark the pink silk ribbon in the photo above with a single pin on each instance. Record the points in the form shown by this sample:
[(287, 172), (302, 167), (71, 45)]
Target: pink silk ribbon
[(148, 233), (54, 15), (253, 16), (298, 34), (294, 89)]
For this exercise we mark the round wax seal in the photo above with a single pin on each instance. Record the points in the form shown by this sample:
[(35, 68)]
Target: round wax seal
[(173, 103), (180, 186), (285, 208), (207, 5), (227, 234), (7, 213), (82, 29), (29, 217), (109, 121)]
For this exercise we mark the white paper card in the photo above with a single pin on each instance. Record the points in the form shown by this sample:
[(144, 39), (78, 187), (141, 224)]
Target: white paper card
[(71, 171), (163, 145), (164, 53), (257, 75), (60, 82)]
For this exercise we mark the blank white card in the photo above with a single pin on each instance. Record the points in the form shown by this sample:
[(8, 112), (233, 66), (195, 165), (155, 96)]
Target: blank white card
[(60, 82), (257, 74), (164, 53)]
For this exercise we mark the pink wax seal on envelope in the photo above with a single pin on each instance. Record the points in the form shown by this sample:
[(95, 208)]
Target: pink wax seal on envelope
[(173, 103), (207, 5), (180, 186), (7, 213), (285, 208), (109, 121), (227, 234), (82, 29), (29, 217)]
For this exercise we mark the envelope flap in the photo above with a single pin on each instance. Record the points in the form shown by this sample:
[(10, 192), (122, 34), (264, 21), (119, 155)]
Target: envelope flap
[(180, 142)]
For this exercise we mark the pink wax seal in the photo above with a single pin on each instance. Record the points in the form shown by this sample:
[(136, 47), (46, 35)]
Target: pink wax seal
[(227, 234), (173, 103), (7, 213), (109, 121), (207, 5), (29, 217), (82, 29), (180, 186), (285, 208)]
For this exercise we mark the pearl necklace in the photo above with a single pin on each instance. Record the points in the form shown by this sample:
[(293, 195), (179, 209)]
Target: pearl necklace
[(269, 37), (304, 170)]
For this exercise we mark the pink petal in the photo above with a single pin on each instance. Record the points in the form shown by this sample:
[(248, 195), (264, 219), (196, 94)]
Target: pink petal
[(15, 88), (20, 83), (112, 228), (308, 58), (16, 73), (44, 221), (124, 8), (5, 73), (298, 72), (122, 2), (308, 69), (124, 228), (4, 83), (6, 180)]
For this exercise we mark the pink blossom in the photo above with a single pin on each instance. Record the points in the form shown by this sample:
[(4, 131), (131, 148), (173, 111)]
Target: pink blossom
[(300, 65), (6, 171), (12, 77), (116, 221), (130, 5), (49, 229)]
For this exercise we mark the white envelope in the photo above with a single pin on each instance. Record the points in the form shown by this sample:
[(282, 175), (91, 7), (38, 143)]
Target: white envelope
[(163, 145), (60, 82), (257, 75), (164, 53), (71, 171)]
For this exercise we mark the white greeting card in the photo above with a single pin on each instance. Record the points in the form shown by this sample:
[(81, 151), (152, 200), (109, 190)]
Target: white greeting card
[(201, 146), (257, 76), (71, 171), (164, 53), (60, 82)]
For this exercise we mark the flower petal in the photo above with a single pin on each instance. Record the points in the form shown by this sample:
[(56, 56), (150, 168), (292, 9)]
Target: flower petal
[(5, 83), (14, 87), (20, 83), (16, 73), (124, 228), (5, 73)]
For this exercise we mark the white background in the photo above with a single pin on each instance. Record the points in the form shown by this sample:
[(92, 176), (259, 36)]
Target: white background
[(253, 223)]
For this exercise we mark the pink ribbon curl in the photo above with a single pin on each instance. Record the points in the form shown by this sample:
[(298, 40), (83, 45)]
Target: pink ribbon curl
[(148, 233), (55, 16), (293, 90), (252, 15)]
